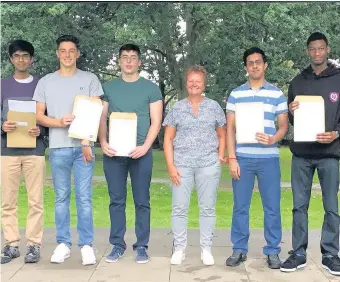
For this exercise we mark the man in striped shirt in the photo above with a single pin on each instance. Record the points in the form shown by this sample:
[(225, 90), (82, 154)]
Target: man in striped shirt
[(259, 159)]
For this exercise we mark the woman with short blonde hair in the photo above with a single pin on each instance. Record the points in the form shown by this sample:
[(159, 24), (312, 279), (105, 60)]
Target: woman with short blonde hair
[(194, 148)]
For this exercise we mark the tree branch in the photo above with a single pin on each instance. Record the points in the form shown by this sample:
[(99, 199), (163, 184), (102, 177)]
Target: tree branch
[(103, 72), (170, 98), (157, 50)]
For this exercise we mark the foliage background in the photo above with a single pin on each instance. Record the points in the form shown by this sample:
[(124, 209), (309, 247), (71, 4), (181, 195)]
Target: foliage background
[(173, 36)]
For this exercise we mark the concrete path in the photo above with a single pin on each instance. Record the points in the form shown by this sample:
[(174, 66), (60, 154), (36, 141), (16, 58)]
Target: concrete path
[(159, 268), (224, 184)]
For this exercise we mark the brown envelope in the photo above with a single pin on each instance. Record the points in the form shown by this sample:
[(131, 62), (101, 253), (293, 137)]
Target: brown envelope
[(19, 138), (309, 98), (76, 100), (302, 128), (120, 115)]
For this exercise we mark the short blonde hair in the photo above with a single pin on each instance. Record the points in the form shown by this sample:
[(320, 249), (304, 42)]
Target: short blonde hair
[(197, 68)]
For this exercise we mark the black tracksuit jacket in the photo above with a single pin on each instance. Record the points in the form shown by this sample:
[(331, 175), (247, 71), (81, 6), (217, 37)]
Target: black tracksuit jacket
[(327, 85)]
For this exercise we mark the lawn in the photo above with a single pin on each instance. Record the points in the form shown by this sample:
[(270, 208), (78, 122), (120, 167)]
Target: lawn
[(160, 171), (161, 208)]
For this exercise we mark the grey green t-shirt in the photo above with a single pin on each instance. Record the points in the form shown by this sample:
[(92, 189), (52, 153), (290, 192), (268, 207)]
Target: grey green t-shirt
[(133, 97), (58, 93), (196, 141)]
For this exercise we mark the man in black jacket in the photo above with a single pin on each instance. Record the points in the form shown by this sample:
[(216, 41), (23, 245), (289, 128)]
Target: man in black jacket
[(320, 78)]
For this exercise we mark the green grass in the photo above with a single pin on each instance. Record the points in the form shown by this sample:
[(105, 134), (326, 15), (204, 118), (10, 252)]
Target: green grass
[(161, 208), (160, 170)]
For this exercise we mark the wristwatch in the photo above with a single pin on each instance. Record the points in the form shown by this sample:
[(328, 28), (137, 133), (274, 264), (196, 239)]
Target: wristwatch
[(336, 134)]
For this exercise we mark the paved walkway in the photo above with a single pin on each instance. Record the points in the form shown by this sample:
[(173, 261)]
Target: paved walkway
[(159, 268), (224, 184)]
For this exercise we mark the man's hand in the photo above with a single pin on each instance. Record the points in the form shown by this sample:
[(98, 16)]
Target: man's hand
[(234, 169), (264, 139), (66, 120), (138, 152), (35, 132), (87, 154), (293, 106), (107, 150), (174, 175), (9, 126), (326, 137)]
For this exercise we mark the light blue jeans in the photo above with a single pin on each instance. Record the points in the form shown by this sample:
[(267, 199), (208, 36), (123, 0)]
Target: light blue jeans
[(62, 161), (206, 180)]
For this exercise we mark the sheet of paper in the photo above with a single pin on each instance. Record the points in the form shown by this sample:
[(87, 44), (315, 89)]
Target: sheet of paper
[(249, 118), (22, 123), (87, 117), (22, 106), (309, 120), (123, 135)]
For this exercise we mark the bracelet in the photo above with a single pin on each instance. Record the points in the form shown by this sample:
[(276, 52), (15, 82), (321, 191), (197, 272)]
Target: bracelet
[(85, 145), (227, 159)]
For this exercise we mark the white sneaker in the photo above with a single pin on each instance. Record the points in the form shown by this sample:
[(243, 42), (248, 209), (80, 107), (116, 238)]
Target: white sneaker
[(60, 253), (207, 258), (87, 255), (177, 257)]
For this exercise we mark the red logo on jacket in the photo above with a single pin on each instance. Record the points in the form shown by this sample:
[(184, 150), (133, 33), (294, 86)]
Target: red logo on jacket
[(333, 97)]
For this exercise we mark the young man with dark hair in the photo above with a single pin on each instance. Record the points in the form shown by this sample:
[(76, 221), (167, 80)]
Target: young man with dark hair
[(254, 50), (56, 93), (14, 161), (323, 79), (259, 159), (134, 94)]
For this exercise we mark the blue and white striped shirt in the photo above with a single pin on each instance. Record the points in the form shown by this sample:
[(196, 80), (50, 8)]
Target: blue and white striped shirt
[(275, 103)]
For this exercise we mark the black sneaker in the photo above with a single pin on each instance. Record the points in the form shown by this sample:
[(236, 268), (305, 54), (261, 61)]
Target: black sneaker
[(32, 254), (9, 253), (332, 264), (235, 259), (274, 261), (293, 263)]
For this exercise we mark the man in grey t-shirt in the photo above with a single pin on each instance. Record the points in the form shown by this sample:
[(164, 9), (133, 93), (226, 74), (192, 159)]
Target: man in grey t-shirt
[(55, 93)]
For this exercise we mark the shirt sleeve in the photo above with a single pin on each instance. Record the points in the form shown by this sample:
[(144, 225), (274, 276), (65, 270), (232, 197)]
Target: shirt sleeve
[(230, 107), (105, 97), (290, 99), (220, 116), (155, 94), (96, 89), (2, 110), (170, 119), (281, 105), (39, 92)]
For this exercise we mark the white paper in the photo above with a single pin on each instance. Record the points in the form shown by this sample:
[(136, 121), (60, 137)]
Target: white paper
[(309, 120), (87, 117), (22, 123), (22, 106), (249, 118), (123, 135)]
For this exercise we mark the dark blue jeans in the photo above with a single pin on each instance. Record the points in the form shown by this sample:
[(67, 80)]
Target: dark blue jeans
[(267, 171), (302, 178), (116, 170)]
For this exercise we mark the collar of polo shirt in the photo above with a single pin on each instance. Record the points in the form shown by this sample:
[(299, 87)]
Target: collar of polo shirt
[(264, 86)]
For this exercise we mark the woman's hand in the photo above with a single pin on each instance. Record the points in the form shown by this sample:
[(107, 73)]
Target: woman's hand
[(174, 175)]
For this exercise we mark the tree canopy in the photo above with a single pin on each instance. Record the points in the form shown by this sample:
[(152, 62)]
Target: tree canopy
[(173, 36)]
